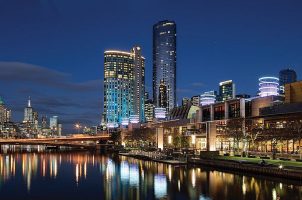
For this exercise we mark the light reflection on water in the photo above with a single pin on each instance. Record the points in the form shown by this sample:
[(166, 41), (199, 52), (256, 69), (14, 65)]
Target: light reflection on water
[(81, 175)]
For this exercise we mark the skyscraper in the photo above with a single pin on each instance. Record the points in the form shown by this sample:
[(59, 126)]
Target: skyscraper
[(226, 90), (5, 114), (149, 110), (28, 113), (286, 76), (162, 97), (164, 62), (139, 83), (124, 87)]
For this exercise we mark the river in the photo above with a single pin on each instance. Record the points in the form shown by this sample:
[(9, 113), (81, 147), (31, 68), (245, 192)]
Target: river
[(35, 173)]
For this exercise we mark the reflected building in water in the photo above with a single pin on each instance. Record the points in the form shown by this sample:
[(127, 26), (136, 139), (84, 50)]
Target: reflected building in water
[(119, 177)]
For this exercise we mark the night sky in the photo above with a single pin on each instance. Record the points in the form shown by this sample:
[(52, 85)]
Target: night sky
[(52, 50)]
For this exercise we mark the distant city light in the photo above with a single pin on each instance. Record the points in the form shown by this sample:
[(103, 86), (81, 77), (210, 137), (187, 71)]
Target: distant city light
[(160, 113), (268, 86), (207, 98), (125, 121), (134, 119)]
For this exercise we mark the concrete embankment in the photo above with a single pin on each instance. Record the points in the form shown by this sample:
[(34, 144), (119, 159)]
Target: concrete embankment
[(143, 157), (268, 170)]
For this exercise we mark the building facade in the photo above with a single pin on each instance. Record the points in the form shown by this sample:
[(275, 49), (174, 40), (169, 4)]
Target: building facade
[(286, 76), (5, 113), (124, 87), (28, 113), (149, 110), (164, 62), (195, 100), (226, 90), (293, 92)]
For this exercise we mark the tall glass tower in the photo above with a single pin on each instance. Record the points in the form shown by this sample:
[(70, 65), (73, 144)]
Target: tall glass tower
[(124, 87), (164, 62)]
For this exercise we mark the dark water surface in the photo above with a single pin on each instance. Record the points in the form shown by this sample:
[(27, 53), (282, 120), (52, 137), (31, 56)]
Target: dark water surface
[(39, 174)]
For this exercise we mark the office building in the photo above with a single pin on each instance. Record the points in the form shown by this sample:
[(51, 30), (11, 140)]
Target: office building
[(286, 76), (164, 63), (149, 110), (28, 113), (226, 90), (53, 122), (5, 113), (185, 101), (195, 100)]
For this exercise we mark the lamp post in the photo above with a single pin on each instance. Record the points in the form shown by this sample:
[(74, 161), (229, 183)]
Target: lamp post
[(77, 126)]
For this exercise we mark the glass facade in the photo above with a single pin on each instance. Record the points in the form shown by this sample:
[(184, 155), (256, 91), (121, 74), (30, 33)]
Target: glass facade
[(121, 71), (226, 90), (164, 61)]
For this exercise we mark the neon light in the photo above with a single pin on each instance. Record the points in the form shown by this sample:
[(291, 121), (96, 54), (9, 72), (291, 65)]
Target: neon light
[(268, 86)]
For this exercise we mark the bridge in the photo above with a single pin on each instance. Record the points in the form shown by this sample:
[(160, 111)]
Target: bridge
[(80, 141)]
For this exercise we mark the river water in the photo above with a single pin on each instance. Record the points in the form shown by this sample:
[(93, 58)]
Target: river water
[(36, 173)]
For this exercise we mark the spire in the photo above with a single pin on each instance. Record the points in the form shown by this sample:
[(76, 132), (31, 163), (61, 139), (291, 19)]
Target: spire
[(29, 104)]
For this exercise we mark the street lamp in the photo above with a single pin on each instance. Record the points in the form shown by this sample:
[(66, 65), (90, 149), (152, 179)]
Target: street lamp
[(77, 126)]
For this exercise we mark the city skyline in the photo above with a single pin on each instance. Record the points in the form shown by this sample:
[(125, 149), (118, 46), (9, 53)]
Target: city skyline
[(210, 55)]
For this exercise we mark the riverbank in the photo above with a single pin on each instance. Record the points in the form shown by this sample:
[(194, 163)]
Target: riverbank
[(155, 159), (276, 168), (281, 169)]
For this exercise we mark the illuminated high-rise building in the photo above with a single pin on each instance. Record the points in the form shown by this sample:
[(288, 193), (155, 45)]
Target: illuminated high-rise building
[(226, 90), (5, 113), (149, 110), (124, 87), (138, 83), (164, 62), (286, 76), (28, 113), (44, 122), (162, 97)]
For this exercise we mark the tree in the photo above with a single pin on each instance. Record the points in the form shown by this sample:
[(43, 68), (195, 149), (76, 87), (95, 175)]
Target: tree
[(253, 131), (116, 136), (234, 130), (296, 128)]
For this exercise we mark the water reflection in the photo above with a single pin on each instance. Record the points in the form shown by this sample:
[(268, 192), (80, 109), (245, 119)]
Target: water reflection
[(94, 176)]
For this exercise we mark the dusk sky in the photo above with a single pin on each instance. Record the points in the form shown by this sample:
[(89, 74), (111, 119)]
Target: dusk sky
[(52, 50)]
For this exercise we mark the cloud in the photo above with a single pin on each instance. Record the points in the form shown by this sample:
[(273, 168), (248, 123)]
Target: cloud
[(52, 93), (198, 84), (33, 74)]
